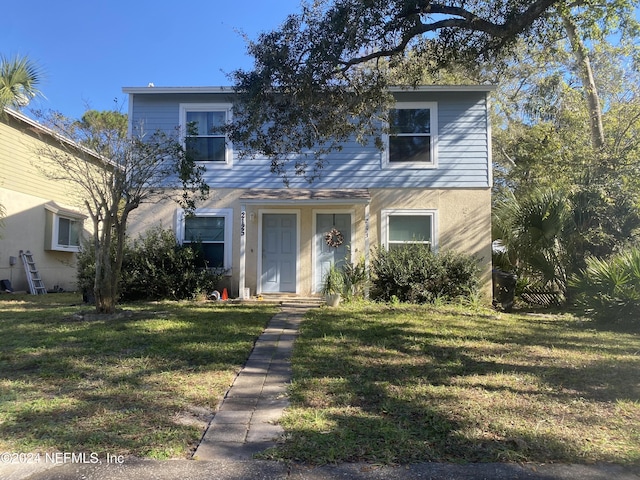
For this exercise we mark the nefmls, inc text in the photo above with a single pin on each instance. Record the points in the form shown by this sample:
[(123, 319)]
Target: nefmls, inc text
[(82, 457)]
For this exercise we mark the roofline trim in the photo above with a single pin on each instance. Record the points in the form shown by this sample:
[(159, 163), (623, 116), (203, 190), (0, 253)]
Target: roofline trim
[(230, 89)]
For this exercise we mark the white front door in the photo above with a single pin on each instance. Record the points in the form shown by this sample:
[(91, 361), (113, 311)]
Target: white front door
[(326, 254), (279, 252)]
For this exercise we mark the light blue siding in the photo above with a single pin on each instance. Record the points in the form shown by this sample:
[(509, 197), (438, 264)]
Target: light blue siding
[(463, 147)]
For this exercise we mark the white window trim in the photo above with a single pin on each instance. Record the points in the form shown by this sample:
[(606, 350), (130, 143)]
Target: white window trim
[(209, 107), (433, 109), (384, 223), (56, 214), (227, 213)]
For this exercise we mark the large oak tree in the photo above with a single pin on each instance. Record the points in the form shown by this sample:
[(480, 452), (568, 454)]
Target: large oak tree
[(323, 76)]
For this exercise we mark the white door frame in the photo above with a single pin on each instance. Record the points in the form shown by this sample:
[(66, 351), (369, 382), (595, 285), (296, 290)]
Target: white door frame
[(261, 212)]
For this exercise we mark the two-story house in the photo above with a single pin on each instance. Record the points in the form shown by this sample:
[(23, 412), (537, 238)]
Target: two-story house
[(42, 216), (432, 184)]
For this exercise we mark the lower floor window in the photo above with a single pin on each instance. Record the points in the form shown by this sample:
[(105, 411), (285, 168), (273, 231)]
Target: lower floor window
[(210, 232), (63, 228), (69, 232), (402, 227)]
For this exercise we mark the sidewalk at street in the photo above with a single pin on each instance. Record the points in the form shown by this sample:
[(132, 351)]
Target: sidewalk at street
[(266, 470)]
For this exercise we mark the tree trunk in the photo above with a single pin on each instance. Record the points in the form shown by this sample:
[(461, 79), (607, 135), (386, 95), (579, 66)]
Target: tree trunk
[(103, 285), (586, 75), (120, 230)]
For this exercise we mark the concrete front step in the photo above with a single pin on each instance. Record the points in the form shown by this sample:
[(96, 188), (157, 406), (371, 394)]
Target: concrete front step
[(292, 300)]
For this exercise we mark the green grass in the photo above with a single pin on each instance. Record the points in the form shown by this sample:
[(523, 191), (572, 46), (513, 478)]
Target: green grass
[(417, 383), (144, 385)]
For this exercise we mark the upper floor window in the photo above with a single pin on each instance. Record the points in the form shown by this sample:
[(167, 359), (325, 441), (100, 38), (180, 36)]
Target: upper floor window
[(412, 136), (203, 138)]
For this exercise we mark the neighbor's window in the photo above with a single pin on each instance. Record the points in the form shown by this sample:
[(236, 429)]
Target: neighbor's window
[(68, 232), (63, 228), (210, 232), (412, 135), (402, 227), (203, 138)]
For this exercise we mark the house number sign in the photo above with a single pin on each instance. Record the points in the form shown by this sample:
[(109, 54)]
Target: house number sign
[(243, 216)]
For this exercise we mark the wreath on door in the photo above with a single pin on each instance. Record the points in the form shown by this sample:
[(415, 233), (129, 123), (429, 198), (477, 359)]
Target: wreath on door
[(334, 238)]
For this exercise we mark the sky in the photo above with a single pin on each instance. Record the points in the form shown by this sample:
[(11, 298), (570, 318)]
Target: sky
[(88, 50)]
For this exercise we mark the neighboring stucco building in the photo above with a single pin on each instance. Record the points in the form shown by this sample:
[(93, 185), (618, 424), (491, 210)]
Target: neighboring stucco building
[(41, 215), (432, 185)]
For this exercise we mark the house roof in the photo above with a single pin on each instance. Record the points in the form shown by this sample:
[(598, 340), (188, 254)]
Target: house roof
[(229, 89), (306, 196)]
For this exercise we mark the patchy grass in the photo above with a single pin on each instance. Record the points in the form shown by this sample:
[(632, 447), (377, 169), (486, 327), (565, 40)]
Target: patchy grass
[(417, 383), (145, 385)]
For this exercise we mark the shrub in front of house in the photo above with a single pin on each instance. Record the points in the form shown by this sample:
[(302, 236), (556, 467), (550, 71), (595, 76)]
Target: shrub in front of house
[(413, 273), (156, 266), (609, 289)]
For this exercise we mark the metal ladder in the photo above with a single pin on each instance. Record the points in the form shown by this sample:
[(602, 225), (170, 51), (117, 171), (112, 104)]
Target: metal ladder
[(36, 285)]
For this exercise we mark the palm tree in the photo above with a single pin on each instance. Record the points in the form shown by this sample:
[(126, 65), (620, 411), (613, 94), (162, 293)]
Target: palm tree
[(19, 78), (534, 229)]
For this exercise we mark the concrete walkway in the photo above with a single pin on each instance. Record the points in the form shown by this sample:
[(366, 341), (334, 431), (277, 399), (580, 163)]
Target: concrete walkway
[(246, 421)]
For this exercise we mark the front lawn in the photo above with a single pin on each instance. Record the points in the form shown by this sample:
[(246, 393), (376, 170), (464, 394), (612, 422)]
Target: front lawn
[(143, 385), (400, 384)]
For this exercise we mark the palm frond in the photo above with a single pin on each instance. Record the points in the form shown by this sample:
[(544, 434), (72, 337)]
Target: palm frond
[(19, 80)]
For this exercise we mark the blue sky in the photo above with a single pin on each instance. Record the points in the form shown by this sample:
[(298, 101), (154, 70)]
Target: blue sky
[(89, 50)]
